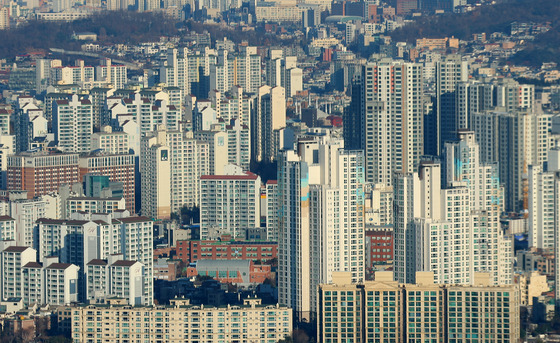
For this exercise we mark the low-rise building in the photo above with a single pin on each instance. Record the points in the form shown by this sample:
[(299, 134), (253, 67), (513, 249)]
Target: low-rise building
[(179, 322), (239, 272)]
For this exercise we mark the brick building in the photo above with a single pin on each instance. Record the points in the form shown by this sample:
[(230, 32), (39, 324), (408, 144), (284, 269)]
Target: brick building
[(40, 173), (379, 248), (192, 251), (119, 168)]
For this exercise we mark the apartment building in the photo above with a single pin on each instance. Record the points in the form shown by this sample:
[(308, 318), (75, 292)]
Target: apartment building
[(110, 142), (73, 124), (230, 202), (40, 173), (7, 228), (387, 311), (321, 231), (179, 322), (12, 260)]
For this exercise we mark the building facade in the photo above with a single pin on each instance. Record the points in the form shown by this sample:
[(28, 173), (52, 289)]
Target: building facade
[(386, 311)]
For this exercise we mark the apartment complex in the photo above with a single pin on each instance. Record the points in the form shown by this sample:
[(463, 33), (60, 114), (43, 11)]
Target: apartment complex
[(99, 237), (387, 311), (452, 227), (179, 322)]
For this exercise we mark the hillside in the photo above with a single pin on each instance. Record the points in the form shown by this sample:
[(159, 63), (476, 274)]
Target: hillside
[(496, 18), (111, 27)]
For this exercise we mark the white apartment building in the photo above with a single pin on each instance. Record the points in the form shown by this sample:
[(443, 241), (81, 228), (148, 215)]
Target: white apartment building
[(379, 205), (73, 124), (149, 109), (321, 230), (115, 278), (98, 237), (272, 210), (386, 119), (472, 97), (93, 205), (7, 228), (33, 283), (4, 122), (450, 72), (242, 69), (234, 104), (189, 159), (4, 18), (85, 76), (230, 202), (272, 12), (12, 260), (544, 206), (31, 124), (184, 68), (126, 281), (110, 142), (26, 212), (512, 96), (60, 282), (239, 144), (516, 140), (283, 71), (111, 74), (218, 150)]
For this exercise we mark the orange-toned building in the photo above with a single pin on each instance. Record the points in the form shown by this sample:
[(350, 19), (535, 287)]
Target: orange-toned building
[(192, 251), (40, 173), (119, 168)]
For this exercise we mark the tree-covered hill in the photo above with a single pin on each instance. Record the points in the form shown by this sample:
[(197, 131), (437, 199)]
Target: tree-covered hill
[(111, 27), (488, 19), (496, 18)]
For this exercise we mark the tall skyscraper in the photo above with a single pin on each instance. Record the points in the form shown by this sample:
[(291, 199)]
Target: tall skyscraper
[(321, 218), (385, 119), (544, 209)]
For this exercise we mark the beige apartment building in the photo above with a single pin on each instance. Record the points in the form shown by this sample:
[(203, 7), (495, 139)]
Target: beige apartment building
[(180, 322), (387, 311)]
